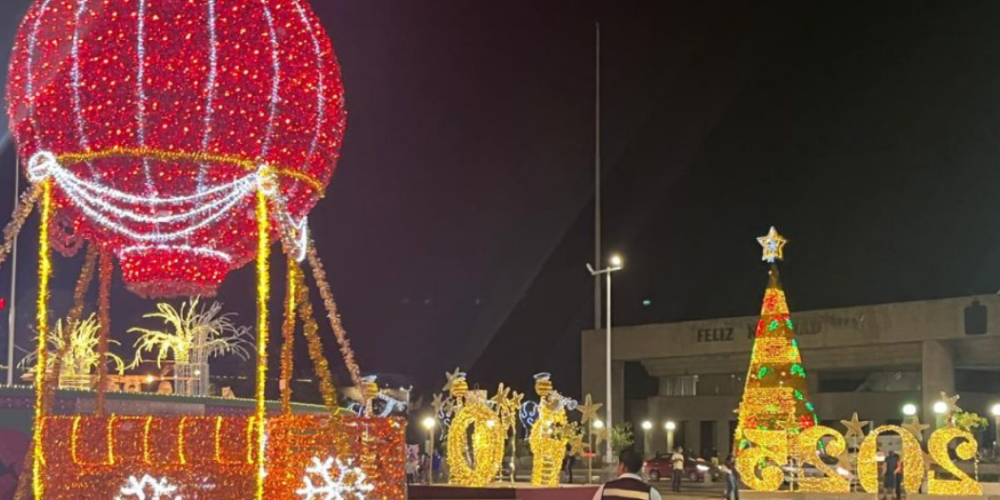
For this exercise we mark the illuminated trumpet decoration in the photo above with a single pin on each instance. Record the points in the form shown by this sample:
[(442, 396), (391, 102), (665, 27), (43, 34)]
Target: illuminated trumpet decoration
[(549, 436)]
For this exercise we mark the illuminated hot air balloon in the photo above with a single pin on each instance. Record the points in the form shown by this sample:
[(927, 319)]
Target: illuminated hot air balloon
[(160, 120)]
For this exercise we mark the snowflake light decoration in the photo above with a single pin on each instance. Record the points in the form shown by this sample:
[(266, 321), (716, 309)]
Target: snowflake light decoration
[(147, 488), (350, 482)]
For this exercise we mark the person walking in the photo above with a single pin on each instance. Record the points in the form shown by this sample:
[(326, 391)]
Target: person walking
[(899, 479), (677, 461), (411, 470), (732, 477), (628, 486), (568, 463), (891, 463)]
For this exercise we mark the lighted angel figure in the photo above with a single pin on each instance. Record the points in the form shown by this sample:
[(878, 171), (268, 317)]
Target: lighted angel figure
[(193, 335), (80, 357)]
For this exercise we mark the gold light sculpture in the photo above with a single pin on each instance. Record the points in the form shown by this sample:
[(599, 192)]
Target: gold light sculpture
[(80, 355), (481, 465), (193, 335), (548, 437)]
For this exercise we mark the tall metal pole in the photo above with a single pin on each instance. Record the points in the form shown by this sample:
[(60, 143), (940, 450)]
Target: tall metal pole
[(610, 425), (597, 180), (12, 313)]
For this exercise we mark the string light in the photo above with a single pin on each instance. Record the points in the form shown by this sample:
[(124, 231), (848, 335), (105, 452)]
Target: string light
[(938, 447), (263, 295), (760, 465), (74, 353), (82, 285), (319, 275), (157, 489), (20, 216), (198, 333), (808, 442), (141, 108), (350, 482), (487, 444), (913, 460), (288, 341), (104, 309), (42, 326), (547, 442), (310, 329)]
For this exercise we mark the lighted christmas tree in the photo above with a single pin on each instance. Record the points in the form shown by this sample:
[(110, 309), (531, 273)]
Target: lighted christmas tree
[(775, 396)]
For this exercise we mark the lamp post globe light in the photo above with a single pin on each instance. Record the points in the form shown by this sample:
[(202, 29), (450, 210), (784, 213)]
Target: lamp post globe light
[(615, 264), (647, 426), (995, 410), (670, 426), (940, 409), (429, 423)]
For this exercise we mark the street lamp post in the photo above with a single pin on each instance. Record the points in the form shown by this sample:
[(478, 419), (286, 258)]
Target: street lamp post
[(429, 423), (940, 408), (670, 426), (995, 410), (590, 456), (616, 265), (647, 428)]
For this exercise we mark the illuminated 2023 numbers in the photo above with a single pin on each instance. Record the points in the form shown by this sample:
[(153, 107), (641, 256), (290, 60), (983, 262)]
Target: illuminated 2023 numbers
[(761, 465)]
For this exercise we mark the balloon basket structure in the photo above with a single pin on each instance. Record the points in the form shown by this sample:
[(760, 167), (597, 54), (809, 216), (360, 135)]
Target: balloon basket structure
[(214, 457)]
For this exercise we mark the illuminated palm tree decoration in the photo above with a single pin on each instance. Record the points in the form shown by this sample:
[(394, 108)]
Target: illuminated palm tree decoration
[(80, 357), (194, 335)]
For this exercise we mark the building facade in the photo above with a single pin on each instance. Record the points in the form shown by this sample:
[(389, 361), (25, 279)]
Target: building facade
[(872, 360)]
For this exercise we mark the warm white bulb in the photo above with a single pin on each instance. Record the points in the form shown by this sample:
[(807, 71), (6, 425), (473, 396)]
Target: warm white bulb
[(429, 423), (909, 409), (598, 424), (940, 408), (616, 260), (647, 425), (670, 425)]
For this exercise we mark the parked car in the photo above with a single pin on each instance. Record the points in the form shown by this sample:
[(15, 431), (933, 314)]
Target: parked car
[(810, 471), (660, 467)]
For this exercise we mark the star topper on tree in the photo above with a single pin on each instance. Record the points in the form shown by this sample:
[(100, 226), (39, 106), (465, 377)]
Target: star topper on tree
[(774, 246)]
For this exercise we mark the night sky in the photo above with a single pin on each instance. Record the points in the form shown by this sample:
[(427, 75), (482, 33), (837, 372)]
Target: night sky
[(458, 225)]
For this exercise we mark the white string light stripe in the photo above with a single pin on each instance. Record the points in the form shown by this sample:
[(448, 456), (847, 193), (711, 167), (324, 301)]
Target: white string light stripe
[(29, 81), (275, 82), (213, 75), (97, 202), (320, 83)]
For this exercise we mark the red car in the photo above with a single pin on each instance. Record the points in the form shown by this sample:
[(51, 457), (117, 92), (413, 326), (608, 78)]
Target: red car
[(660, 467)]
